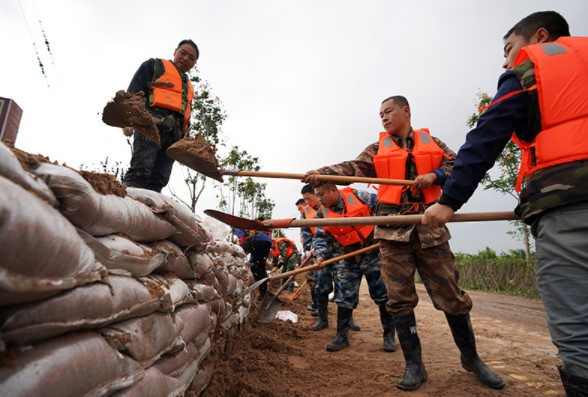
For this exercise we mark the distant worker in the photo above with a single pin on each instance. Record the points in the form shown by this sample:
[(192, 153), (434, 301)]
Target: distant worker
[(300, 205), (349, 202), (285, 256), (258, 244), (404, 153), (541, 104), (168, 98)]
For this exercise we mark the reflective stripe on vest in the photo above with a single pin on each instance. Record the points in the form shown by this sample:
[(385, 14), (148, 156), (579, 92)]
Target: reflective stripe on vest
[(390, 162), (309, 213), (562, 82), (348, 235), (170, 92)]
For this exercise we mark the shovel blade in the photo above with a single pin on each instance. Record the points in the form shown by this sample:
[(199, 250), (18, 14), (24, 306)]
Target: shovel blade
[(252, 287), (269, 308)]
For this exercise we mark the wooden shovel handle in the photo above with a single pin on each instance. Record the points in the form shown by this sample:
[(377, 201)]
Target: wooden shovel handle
[(326, 178), (325, 263)]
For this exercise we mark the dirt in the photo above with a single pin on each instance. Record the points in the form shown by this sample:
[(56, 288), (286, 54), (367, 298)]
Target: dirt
[(127, 109), (281, 359), (198, 154)]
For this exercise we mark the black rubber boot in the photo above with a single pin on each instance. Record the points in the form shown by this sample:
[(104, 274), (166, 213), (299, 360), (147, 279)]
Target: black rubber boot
[(353, 325), (388, 326), (313, 307), (323, 314), (415, 372), (341, 341), (574, 386), (463, 335)]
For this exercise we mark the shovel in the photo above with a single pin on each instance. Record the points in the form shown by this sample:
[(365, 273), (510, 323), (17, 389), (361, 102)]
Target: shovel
[(244, 223), (271, 303), (198, 155), (306, 268)]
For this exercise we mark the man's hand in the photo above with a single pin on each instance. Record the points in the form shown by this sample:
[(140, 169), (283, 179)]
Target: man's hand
[(310, 177), (319, 262), (437, 215), (424, 181)]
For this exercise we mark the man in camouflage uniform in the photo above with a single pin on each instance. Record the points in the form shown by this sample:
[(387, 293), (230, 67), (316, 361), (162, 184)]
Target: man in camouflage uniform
[(285, 256), (324, 280), (337, 241), (402, 153), (542, 98)]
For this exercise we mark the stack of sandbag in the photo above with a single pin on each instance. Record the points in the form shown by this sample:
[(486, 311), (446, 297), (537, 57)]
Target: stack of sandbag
[(107, 295)]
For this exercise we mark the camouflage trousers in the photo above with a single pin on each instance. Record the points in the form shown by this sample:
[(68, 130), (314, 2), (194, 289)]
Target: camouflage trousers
[(291, 263), (436, 268), (325, 279), (349, 274)]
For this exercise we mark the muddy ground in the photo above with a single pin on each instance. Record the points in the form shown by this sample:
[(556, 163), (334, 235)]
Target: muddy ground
[(282, 359)]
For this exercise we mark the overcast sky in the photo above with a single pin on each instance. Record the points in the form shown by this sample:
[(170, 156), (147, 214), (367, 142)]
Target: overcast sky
[(301, 81)]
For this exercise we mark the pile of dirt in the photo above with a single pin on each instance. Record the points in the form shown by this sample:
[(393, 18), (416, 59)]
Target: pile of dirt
[(127, 109), (104, 183), (198, 154), (281, 359)]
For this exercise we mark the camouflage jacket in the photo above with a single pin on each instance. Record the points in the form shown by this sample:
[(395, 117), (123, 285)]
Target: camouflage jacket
[(550, 187), (363, 165)]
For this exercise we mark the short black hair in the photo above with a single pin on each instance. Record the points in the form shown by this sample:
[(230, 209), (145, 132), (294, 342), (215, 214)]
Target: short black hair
[(190, 42), (553, 22), (325, 185), (307, 189), (300, 201), (398, 99)]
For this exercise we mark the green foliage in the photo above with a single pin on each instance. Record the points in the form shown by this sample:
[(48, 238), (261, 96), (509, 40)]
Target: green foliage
[(244, 196)]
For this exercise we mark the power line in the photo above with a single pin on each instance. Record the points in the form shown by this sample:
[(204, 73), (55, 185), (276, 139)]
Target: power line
[(34, 45), (44, 35)]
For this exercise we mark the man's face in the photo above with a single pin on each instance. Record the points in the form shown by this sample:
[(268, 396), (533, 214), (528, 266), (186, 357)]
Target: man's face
[(512, 46), (327, 196), (394, 118), (310, 199), (300, 208), (185, 57)]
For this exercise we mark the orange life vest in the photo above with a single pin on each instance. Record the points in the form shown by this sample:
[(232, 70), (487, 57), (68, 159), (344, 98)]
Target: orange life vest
[(561, 83), (309, 213), (276, 247), (168, 92), (390, 162), (348, 235)]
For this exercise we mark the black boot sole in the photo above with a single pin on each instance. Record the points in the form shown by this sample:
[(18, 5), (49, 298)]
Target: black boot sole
[(331, 348), (413, 387), (496, 386)]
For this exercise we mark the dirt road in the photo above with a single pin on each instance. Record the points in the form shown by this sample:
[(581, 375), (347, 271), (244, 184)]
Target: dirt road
[(283, 359)]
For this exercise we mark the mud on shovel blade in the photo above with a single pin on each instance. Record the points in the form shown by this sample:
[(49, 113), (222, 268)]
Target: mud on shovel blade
[(198, 154), (271, 303)]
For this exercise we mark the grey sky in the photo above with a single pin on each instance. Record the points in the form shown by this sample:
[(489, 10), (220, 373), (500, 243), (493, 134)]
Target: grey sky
[(301, 81)]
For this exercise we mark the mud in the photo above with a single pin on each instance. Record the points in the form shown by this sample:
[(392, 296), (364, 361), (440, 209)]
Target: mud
[(198, 154), (281, 359), (127, 109)]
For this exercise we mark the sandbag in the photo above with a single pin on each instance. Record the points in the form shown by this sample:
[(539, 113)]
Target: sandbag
[(73, 365), (174, 364), (171, 290), (99, 214), (41, 253), (201, 263), (190, 232), (154, 384), (145, 338), (192, 320), (203, 377), (10, 168), (175, 260), (123, 256), (85, 307), (201, 292)]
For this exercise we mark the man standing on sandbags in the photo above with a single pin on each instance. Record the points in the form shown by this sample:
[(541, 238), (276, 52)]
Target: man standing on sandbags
[(168, 98)]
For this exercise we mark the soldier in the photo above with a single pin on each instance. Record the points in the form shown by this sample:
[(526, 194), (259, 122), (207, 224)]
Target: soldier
[(403, 153), (325, 278), (258, 244), (542, 99), (285, 256), (348, 203)]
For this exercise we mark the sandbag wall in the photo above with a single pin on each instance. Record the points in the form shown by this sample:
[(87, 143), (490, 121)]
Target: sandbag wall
[(105, 295)]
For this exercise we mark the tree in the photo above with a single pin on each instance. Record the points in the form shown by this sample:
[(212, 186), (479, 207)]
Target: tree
[(508, 164), (207, 117), (244, 196)]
